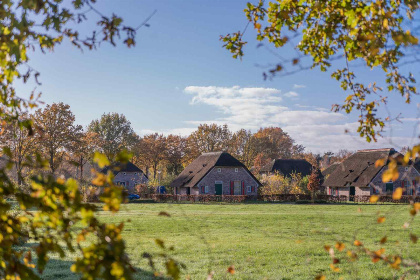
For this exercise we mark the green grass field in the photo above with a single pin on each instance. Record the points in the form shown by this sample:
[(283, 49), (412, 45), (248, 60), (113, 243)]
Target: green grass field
[(262, 241)]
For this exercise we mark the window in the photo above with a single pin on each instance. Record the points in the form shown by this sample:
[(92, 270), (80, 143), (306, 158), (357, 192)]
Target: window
[(406, 169), (135, 173), (249, 189), (124, 173), (236, 169), (206, 189), (219, 170)]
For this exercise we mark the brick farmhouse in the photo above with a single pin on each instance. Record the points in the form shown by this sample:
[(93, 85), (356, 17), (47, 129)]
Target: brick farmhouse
[(128, 175), (216, 173), (359, 175)]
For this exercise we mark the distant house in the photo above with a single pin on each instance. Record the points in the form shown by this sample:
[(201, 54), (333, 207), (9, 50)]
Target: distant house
[(217, 173), (287, 167), (128, 175), (358, 175)]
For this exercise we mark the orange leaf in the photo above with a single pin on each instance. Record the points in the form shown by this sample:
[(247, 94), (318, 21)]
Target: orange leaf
[(379, 162), (340, 246), (327, 248), (381, 219), (357, 243), (373, 198), (397, 194), (320, 277), (334, 268), (231, 269), (383, 240)]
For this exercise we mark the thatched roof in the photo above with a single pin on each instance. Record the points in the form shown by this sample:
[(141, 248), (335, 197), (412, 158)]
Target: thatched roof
[(128, 167), (359, 169), (202, 165), (330, 169), (288, 166)]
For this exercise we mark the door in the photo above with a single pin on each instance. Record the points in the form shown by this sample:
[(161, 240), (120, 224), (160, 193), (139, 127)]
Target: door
[(219, 188), (389, 188), (188, 191), (352, 193), (237, 188)]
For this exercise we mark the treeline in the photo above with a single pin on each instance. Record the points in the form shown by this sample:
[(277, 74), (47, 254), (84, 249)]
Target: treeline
[(56, 137)]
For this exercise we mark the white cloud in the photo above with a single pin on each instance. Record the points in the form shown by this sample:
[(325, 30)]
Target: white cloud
[(299, 86), (291, 94), (316, 128)]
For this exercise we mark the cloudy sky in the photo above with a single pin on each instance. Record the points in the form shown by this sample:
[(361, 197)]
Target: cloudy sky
[(179, 76)]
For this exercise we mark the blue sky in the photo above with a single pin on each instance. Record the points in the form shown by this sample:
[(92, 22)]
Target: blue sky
[(178, 76)]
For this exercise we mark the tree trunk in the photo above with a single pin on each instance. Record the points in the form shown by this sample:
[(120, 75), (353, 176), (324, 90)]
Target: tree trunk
[(81, 168)]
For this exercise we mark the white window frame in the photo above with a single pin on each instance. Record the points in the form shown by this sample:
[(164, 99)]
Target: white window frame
[(206, 189), (249, 189), (236, 169), (219, 170)]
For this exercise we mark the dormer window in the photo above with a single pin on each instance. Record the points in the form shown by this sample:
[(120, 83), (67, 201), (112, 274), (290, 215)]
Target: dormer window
[(219, 170), (124, 173), (135, 173), (236, 169), (406, 169)]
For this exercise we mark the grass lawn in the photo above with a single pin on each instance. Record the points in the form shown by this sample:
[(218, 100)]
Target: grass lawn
[(262, 241)]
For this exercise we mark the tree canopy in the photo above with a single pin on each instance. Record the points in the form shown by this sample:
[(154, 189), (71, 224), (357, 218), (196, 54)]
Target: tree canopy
[(377, 34)]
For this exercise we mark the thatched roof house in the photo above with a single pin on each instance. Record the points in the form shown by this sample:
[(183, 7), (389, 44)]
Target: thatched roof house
[(287, 167), (216, 173), (361, 174)]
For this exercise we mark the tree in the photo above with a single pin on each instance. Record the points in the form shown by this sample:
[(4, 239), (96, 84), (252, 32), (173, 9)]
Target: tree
[(41, 25), (315, 181), (243, 146), (174, 153), (114, 134), (273, 143), (151, 151), (376, 34), (208, 138), (83, 150), (19, 142), (57, 133)]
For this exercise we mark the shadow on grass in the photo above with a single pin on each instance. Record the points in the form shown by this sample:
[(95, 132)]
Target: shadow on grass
[(60, 269), (57, 268)]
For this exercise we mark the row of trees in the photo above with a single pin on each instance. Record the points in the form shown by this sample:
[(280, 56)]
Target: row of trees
[(56, 137)]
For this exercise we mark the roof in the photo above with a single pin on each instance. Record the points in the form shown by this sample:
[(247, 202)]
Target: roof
[(330, 169), (120, 167), (359, 169), (288, 166), (202, 165)]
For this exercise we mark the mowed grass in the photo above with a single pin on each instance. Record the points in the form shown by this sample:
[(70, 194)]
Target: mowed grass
[(262, 241)]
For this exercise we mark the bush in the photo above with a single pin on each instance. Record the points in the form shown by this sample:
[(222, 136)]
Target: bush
[(145, 191)]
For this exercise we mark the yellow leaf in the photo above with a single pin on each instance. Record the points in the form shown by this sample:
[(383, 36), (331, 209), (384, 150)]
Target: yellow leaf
[(385, 23), (101, 160), (373, 198), (320, 277), (381, 219), (417, 206), (397, 194)]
